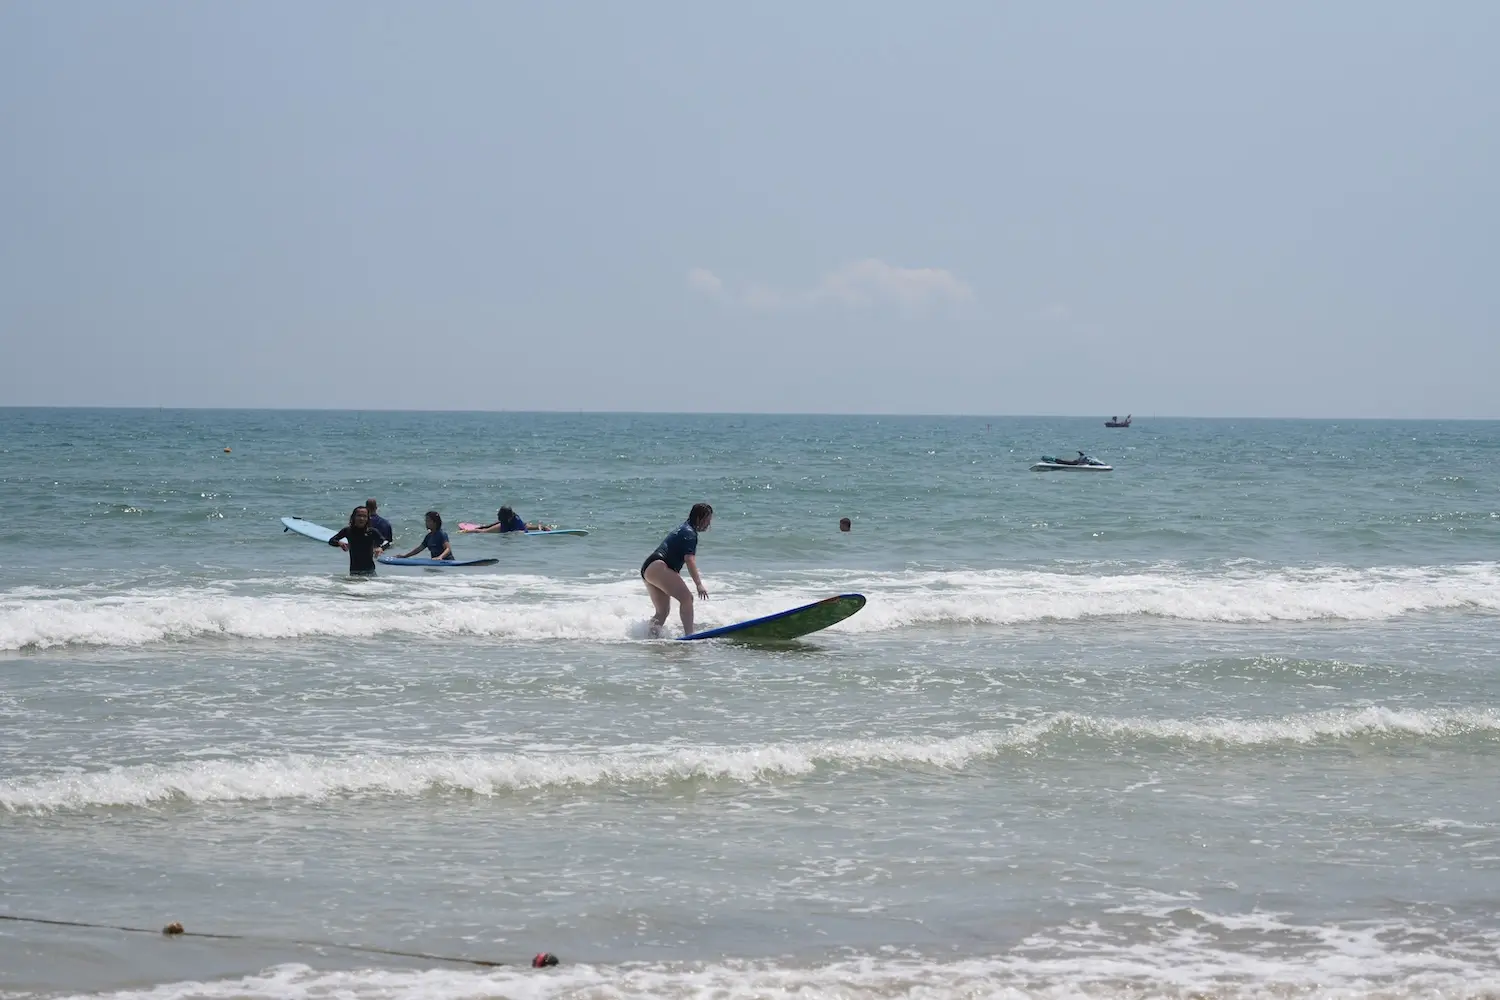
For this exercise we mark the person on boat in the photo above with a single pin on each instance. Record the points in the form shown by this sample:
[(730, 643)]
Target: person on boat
[(435, 541), (379, 523), (507, 520), (662, 570), (361, 540)]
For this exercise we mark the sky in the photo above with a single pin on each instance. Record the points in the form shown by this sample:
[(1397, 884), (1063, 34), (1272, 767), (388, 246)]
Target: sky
[(1228, 209)]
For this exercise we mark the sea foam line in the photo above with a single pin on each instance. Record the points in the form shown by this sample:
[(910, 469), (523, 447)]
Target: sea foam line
[(1338, 962), (317, 778), (539, 608)]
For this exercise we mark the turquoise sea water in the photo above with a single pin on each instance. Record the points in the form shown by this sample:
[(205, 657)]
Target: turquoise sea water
[(1224, 721)]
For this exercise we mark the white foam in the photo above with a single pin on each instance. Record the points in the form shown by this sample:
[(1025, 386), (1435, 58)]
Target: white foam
[(1338, 962), (482, 774), (1237, 594), (611, 610), (315, 778), (322, 610), (1308, 728)]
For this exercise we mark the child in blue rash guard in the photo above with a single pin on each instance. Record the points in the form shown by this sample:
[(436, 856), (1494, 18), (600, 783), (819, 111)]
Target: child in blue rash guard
[(436, 540), (506, 521)]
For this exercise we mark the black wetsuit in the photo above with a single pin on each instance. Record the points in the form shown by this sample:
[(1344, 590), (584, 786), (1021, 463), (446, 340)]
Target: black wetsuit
[(362, 545)]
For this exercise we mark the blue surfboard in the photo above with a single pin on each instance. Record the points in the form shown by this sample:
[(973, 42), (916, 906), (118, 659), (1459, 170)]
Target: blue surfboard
[(786, 625), (435, 563)]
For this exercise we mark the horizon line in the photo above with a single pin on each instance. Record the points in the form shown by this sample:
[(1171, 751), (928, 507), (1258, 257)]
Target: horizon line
[(716, 413)]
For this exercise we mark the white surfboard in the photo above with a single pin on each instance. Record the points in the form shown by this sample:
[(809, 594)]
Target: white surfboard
[(314, 531)]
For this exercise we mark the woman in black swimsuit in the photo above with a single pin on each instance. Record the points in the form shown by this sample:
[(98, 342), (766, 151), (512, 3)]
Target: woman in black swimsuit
[(662, 570)]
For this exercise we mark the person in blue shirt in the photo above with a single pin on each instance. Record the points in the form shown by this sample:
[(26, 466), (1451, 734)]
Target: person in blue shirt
[(506, 521), (379, 523), (662, 570), (436, 539)]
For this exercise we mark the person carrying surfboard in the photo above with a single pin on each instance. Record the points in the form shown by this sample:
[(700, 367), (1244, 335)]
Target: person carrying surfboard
[(435, 541), (360, 539), (662, 570)]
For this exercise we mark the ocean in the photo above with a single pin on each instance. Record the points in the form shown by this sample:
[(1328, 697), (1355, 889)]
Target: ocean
[(1224, 722)]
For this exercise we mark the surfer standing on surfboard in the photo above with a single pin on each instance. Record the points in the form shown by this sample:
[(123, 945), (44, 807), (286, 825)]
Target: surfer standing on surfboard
[(662, 570)]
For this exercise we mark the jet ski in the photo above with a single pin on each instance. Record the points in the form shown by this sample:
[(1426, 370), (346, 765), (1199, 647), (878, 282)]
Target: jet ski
[(1080, 464)]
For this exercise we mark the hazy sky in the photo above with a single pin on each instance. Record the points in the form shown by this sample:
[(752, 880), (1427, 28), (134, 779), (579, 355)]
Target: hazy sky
[(1270, 208)]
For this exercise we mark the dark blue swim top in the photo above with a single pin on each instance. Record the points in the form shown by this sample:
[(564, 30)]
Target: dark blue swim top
[(383, 526), (434, 542), (677, 546)]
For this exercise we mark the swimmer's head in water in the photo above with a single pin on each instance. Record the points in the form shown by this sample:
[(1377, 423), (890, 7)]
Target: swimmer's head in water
[(844, 524), (434, 520), (358, 516), (700, 516)]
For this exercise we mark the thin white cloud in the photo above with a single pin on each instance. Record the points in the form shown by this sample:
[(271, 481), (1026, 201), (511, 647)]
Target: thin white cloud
[(872, 282), (705, 281), (760, 296), (861, 284)]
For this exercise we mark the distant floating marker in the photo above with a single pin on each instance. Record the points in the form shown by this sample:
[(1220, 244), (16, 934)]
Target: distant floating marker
[(226, 451)]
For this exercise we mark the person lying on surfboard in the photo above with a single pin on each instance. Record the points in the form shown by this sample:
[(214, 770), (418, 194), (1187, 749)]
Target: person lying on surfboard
[(436, 539), (361, 540), (507, 520), (662, 570)]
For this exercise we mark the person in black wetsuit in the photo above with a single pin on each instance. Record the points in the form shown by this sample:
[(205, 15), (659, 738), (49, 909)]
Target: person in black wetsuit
[(361, 541), (662, 570)]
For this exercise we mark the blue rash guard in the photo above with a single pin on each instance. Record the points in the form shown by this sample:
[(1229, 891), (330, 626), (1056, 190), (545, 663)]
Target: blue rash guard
[(675, 548), (435, 541), (516, 523), (383, 526)]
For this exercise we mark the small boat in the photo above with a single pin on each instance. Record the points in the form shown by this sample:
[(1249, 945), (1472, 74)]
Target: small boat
[(1117, 422), (1080, 464)]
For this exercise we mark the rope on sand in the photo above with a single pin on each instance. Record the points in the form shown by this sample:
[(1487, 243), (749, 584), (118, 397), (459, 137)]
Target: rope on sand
[(176, 929)]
